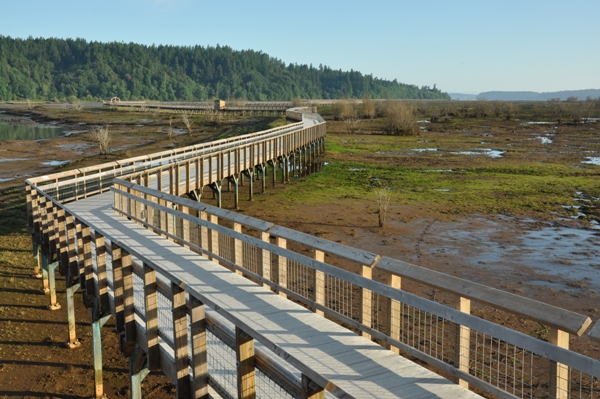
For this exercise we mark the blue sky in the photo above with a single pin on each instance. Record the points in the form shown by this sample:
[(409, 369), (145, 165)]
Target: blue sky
[(462, 46)]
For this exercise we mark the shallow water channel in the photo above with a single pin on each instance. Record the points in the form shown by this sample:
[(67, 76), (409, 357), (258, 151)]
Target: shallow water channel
[(9, 131)]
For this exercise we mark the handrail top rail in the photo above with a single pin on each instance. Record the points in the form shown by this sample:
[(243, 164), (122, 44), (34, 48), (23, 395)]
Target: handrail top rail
[(550, 315), (595, 332), (349, 253), (235, 217), (553, 316), (506, 334)]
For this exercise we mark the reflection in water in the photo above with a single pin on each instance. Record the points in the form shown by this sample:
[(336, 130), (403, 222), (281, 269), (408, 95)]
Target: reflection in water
[(28, 132)]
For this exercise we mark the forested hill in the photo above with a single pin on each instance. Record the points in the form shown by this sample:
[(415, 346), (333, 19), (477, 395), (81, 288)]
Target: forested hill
[(50, 69)]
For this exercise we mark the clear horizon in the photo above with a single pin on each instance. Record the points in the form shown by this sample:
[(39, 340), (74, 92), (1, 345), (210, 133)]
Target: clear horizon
[(461, 47)]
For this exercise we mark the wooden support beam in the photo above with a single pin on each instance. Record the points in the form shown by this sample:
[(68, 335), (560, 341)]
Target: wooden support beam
[(117, 268), (245, 361), (199, 357), (151, 306), (180, 339), (102, 288), (128, 304), (54, 305)]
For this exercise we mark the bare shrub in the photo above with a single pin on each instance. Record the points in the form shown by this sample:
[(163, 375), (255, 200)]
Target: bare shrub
[(187, 122), (368, 107), (345, 110), (383, 196), (103, 135), (399, 119)]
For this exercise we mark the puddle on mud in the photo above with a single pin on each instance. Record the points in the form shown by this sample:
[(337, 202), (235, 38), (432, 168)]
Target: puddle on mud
[(78, 148), (424, 149), (592, 161), (568, 256), (55, 163), (482, 151)]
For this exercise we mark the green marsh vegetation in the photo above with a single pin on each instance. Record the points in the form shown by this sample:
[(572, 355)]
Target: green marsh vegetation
[(467, 158)]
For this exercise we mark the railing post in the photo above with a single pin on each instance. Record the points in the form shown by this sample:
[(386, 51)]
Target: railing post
[(462, 344), (128, 339), (238, 248), (214, 238), (559, 373), (199, 357), (319, 283), (117, 268), (265, 260), (71, 285), (102, 289), (180, 341), (395, 315), (151, 306), (282, 266), (246, 382), (366, 301)]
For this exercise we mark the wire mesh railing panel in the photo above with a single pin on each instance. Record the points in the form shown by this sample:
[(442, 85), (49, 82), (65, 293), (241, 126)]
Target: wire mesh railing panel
[(266, 388), (226, 247), (343, 297), (252, 258), (301, 279), (165, 317), (138, 294), (221, 364)]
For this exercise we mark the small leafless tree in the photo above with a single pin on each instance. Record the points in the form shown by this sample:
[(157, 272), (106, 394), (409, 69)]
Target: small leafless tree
[(103, 135), (187, 122), (170, 131), (383, 201)]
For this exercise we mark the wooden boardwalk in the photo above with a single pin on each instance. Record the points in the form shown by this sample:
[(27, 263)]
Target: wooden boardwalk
[(333, 357)]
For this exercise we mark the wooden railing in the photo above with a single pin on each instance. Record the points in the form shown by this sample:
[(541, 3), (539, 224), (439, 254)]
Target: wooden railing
[(474, 351)]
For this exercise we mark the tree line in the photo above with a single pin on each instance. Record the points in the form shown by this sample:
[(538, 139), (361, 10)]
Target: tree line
[(67, 69)]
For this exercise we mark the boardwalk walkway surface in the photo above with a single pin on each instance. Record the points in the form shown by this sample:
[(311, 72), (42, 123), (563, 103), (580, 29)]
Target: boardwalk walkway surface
[(332, 356)]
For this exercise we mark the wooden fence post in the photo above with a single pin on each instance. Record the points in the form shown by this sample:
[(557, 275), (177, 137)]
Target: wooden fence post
[(395, 315), (366, 301), (199, 357), (462, 344), (559, 373), (319, 283), (151, 306), (282, 266), (180, 341), (238, 247), (246, 382), (265, 260)]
